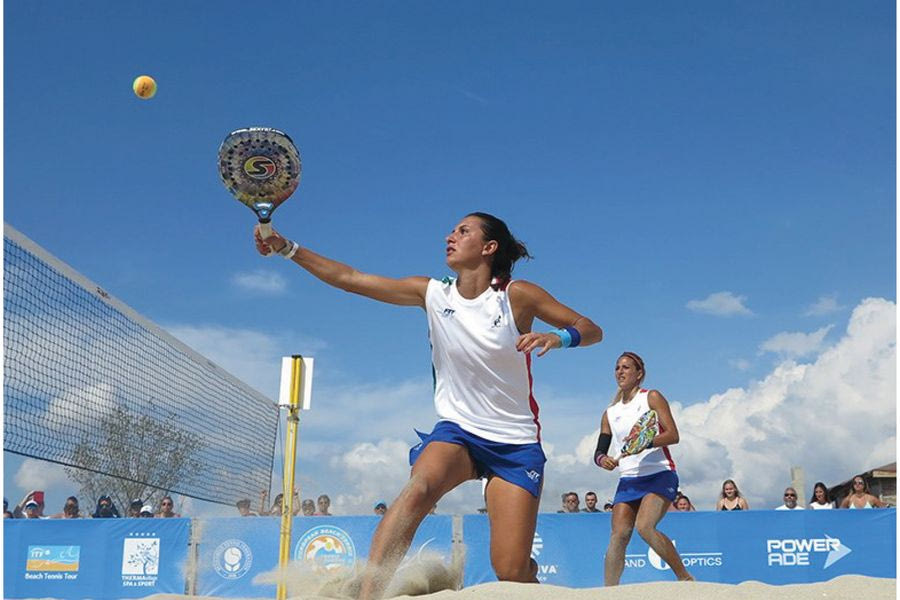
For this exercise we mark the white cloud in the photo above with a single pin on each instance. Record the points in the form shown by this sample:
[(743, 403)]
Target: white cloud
[(260, 280), (741, 364), (251, 356), (36, 474), (796, 344), (834, 417), (825, 305), (720, 304)]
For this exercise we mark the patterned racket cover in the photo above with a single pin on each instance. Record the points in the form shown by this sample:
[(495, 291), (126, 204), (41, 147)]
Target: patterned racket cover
[(261, 167), (641, 434)]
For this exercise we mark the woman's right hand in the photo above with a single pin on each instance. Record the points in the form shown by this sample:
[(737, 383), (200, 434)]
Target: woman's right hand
[(271, 244)]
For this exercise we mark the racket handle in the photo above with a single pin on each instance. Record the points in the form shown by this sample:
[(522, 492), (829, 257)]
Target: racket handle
[(265, 229)]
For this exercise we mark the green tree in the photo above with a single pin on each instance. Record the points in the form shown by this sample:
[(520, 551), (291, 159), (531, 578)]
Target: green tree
[(133, 456)]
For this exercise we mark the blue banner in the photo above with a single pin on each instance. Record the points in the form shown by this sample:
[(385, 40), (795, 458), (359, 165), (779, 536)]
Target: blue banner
[(233, 551), (775, 547), (94, 558)]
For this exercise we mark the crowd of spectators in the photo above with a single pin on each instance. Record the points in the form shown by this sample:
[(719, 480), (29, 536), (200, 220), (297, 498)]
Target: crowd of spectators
[(32, 507), (730, 498)]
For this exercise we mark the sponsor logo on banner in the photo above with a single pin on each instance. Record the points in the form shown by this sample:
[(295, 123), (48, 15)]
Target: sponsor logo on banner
[(140, 561), (797, 552), (328, 548), (232, 559), (544, 570), (51, 563), (689, 559)]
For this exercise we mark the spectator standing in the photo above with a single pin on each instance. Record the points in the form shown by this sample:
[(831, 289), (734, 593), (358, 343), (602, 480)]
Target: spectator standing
[(105, 509), (308, 508), (323, 502), (569, 503), (243, 506), (683, 504), (134, 509), (860, 496), (167, 508), (32, 510), (730, 497), (590, 503), (70, 509), (146, 511), (608, 507), (34, 495), (819, 500), (790, 500), (380, 508), (7, 514)]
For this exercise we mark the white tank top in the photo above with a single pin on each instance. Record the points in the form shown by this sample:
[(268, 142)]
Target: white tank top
[(481, 382), (622, 417)]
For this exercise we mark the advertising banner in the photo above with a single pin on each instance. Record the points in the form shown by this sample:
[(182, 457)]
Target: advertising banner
[(94, 558), (775, 547), (234, 552)]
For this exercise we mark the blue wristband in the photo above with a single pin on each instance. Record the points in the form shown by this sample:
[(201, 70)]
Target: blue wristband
[(564, 337), (576, 337)]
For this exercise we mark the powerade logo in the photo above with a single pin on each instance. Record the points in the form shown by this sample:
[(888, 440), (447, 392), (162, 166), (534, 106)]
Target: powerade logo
[(328, 548), (259, 167), (232, 559), (795, 552)]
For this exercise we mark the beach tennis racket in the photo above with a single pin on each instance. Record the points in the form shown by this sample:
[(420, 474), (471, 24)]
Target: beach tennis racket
[(260, 166), (641, 435)]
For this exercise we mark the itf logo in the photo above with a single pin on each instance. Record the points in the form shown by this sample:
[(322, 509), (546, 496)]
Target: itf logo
[(232, 559), (328, 548), (52, 562), (140, 561)]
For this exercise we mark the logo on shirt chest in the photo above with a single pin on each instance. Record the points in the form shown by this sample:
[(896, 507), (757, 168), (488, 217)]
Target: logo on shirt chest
[(448, 312)]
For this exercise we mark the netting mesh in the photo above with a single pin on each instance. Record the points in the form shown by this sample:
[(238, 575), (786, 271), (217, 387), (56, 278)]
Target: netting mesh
[(91, 384)]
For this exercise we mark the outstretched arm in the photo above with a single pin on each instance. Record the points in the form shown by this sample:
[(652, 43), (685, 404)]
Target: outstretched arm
[(409, 291), (530, 301)]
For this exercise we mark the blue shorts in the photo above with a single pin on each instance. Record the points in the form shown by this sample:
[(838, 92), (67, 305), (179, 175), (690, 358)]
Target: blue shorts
[(519, 464), (664, 483)]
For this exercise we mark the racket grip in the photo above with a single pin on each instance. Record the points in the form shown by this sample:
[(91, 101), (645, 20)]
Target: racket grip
[(265, 229)]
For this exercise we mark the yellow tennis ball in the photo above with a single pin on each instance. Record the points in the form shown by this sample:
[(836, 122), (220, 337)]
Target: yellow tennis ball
[(144, 87)]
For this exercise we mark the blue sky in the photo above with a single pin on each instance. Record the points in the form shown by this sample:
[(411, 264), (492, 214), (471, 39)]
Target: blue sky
[(713, 183)]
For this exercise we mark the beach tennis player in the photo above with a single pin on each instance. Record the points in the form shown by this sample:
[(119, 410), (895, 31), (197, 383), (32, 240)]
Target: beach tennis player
[(639, 427), (480, 329)]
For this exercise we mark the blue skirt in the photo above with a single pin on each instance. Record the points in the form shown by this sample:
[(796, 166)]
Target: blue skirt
[(519, 464), (664, 483)]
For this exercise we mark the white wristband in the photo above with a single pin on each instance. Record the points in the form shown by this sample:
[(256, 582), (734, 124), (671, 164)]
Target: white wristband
[(289, 250)]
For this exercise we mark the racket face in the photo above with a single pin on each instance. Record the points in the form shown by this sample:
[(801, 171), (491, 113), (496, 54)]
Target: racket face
[(641, 434), (261, 167)]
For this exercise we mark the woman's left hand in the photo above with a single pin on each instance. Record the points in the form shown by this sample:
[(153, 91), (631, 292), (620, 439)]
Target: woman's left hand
[(545, 341)]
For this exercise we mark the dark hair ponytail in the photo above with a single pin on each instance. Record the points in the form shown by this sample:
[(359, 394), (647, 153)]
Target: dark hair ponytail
[(509, 249)]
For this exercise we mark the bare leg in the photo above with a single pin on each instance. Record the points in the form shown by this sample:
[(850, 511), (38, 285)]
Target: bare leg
[(653, 508), (623, 517), (440, 468), (512, 512)]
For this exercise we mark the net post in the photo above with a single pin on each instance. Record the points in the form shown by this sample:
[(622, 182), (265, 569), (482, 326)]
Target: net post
[(295, 364)]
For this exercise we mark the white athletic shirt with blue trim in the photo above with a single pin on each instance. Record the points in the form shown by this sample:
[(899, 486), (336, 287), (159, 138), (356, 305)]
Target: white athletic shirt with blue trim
[(481, 382), (622, 416)]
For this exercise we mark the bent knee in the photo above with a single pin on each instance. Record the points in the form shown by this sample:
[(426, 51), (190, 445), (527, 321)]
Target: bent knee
[(523, 571), (647, 532), (621, 536), (419, 493)]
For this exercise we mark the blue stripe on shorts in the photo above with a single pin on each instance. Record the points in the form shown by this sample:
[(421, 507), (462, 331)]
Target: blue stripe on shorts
[(519, 464), (664, 483)]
